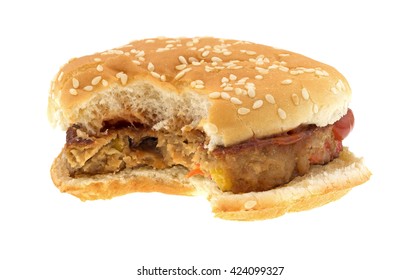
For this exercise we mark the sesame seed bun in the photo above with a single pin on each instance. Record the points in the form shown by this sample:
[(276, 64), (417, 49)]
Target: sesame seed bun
[(232, 90), (229, 90)]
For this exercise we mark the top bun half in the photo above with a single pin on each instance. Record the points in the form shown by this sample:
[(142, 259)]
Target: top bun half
[(232, 90)]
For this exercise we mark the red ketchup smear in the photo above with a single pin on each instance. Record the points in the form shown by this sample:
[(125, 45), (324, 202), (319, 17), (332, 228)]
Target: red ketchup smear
[(343, 126)]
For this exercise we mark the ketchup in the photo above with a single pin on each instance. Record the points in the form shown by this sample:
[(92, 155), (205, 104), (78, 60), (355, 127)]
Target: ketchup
[(343, 126)]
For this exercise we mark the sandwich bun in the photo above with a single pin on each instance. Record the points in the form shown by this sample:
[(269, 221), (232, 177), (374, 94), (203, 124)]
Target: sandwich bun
[(233, 90), (321, 185), (230, 90)]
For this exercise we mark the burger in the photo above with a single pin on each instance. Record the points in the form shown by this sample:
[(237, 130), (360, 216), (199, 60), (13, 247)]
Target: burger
[(256, 129)]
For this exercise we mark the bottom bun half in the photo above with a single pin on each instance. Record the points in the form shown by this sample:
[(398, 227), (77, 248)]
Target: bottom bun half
[(321, 185)]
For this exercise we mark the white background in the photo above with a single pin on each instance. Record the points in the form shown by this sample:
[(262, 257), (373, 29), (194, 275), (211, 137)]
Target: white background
[(372, 233)]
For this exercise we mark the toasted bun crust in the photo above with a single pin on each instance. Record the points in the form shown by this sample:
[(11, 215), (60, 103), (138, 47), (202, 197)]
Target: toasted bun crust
[(233, 90), (321, 185)]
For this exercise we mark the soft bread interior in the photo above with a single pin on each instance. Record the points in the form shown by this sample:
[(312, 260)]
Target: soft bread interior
[(321, 185)]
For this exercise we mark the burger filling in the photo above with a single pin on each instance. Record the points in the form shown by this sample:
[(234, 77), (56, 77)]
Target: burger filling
[(254, 165)]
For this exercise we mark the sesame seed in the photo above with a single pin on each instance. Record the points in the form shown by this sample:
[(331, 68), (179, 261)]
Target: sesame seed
[(159, 50), (189, 44), (238, 90), (156, 75), (259, 62), (88, 88), (232, 77), (72, 91), (126, 53), (182, 59), (250, 204), (150, 41), (227, 53), (211, 128), (195, 63), (261, 70), (199, 86), (305, 94), (104, 83), (236, 101), (96, 80), (199, 82), (334, 90), (258, 77), (283, 68), (257, 104), (340, 85), (163, 78), (150, 67), (208, 68), (243, 111), (182, 73), (181, 66), (282, 113), (295, 99), (242, 81), (140, 54), (286, 82), (118, 51), (250, 52), (320, 72), (225, 95), (123, 77), (97, 59), (205, 53), (315, 108), (60, 76), (251, 89), (228, 88), (75, 83), (284, 54), (214, 94), (168, 46), (296, 72), (251, 92), (100, 68), (216, 59), (192, 59), (135, 62), (270, 99), (225, 80)]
